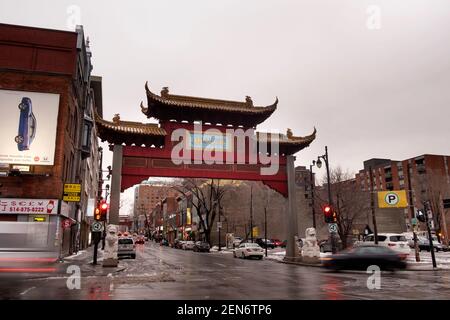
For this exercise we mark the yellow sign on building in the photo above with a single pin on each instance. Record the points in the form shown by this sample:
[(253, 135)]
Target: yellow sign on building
[(255, 232), (392, 199)]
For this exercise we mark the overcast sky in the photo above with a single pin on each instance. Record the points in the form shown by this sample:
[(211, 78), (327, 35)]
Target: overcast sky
[(372, 76)]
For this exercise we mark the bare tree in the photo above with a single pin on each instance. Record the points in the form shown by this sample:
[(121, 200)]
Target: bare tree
[(349, 202), (208, 195), (433, 187)]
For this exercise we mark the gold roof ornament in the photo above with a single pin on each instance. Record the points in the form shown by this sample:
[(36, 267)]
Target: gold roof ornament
[(248, 101), (165, 92), (289, 134), (116, 118)]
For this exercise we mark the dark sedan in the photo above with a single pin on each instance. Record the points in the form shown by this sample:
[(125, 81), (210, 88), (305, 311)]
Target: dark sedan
[(360, 258), (265, 243), (201, 246)]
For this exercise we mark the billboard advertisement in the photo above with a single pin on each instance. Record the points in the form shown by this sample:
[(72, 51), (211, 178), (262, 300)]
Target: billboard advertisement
[(28, 123)]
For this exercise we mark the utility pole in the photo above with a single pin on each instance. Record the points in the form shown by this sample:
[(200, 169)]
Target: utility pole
[(430, 238), (444, 223), (265, 226), (251, 213), (330, 198), (372, 206), (219, 226), (412, 213)]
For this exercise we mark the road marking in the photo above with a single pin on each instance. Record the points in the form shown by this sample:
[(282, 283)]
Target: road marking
[(26, 291), (221, 265)]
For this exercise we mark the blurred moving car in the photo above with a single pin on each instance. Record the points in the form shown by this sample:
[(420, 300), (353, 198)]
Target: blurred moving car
[(248, 250), (265, 242), (188, 245), (126, 247), (201, 246), (27, 125), (363, 256), (277, 242), (394, 241)]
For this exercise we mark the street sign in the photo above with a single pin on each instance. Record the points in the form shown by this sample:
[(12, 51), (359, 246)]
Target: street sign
[(72, 192), (332, 227), (392, 199), (72, 187), (97, 226), (219, 225), (414, 221)]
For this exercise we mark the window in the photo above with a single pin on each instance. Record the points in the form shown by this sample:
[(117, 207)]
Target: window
[(397, 238)]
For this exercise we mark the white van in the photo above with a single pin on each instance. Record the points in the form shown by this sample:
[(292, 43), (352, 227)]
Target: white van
[(395, 241)]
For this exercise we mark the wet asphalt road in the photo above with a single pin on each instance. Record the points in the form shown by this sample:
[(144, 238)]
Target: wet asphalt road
[(166, 273)]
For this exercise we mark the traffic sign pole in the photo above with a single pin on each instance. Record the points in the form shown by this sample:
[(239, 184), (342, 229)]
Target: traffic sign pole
[(430, 239)]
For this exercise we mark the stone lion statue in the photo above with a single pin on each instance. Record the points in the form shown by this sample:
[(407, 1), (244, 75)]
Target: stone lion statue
[(111, 242), (310, 247)]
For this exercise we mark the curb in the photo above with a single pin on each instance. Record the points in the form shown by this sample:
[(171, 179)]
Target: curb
[(300, 263)]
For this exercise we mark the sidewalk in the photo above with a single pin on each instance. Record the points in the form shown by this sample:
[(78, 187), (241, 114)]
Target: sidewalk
[(84, 259)]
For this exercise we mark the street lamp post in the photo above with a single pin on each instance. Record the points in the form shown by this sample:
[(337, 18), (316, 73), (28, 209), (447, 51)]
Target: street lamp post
[(311, 180), (330, 199)]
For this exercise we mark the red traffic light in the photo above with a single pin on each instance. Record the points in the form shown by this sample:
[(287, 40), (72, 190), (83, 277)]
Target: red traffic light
[(329, 214), (104, 206)]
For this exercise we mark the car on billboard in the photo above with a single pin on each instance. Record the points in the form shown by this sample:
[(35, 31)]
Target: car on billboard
[(27, 125)]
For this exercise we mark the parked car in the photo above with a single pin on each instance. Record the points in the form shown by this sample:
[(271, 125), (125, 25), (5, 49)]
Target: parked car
[(237, 241), (201, 246), (164, 242), (126, 247), (188, 245), (277, 242), (424, 244), (263, 243), (363, 256), (248, 250), (178, 244), (299, 243), (326, 246), (27, 125), (140, 240), (394, 241)]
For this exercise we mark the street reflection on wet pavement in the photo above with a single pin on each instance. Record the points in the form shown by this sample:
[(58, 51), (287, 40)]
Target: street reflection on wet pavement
[(166, 273)]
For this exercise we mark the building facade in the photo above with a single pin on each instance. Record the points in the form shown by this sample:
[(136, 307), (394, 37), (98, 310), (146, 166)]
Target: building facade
[(425, 178), (47, 73)]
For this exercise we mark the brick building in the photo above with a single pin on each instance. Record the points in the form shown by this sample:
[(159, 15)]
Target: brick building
[(56, 142), (146, 197), (425, 178)]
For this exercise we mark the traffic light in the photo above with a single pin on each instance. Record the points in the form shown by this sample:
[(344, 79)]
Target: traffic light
[(329, 214), (101, 211), (421, 216), (97, 215)]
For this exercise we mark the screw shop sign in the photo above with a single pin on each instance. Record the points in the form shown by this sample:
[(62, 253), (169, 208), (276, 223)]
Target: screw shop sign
[(392, 199), (28, 206)]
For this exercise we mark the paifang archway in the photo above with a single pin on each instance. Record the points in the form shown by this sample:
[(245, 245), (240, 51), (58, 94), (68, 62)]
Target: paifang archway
[(143, 150)]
